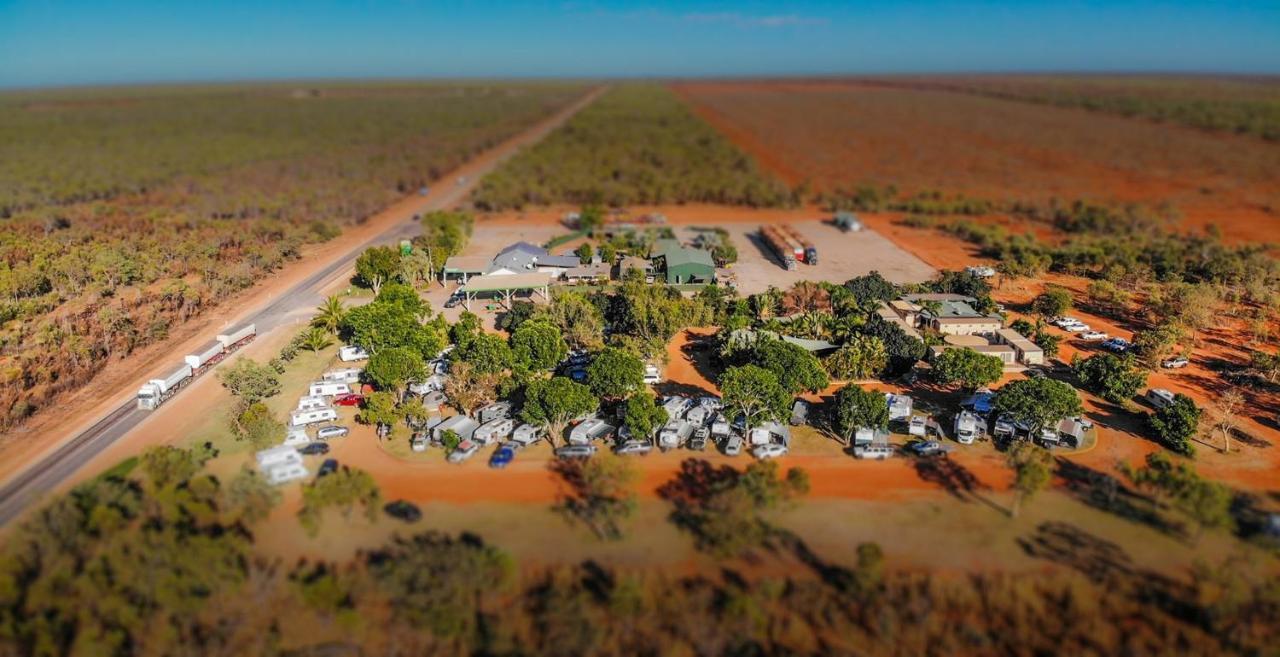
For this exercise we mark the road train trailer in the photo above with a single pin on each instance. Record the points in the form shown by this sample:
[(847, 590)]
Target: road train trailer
[(155, 392)]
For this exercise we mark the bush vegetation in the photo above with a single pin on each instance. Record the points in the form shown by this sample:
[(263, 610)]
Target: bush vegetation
[(127, 212), (637, 144)]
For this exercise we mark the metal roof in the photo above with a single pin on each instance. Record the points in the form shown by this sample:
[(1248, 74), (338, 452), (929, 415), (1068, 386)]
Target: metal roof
[(492, 282), (684, 256), (466, 264)]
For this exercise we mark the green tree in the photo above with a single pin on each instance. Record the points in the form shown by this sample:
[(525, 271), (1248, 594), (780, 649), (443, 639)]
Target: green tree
[(488, 353), (871, 289), (520, 312), (855, 408), (378, 326), (377, 265), (257, 426), (615, 373), (395, 368), (316, 339), (465, 329), (1032, 467), (654, 312), (1055, 301), (1176, 424), (590, 218), (579, 320), (797, 369), (554, 403), (642, 415), (904, 351), (1048, 342), (1113, 378), (861, 357), (329, 315), (1156, 344), (1266, 365), (538, 345), (754, 394), (379, 410), (344, 490), (1206, 503), (404, 297), (1109, 298), (967, 367), (1023, 327), (1040, 402), (250, 381), (584, 253)]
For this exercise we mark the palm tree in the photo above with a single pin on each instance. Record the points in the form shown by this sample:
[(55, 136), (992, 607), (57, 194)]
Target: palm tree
[(329, 315), (316, 339)]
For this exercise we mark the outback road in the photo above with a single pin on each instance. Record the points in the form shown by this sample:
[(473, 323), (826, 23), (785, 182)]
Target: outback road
[(45, 473)]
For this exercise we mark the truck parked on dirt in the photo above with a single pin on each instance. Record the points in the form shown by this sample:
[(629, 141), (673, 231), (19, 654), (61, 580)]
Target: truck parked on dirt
[(786, 253)]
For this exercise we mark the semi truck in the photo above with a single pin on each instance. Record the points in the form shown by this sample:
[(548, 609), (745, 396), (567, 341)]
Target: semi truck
[(155, 392), (780, 247), (809, 252)]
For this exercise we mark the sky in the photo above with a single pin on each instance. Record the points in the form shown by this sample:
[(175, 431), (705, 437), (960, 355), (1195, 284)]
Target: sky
[(51, 43)]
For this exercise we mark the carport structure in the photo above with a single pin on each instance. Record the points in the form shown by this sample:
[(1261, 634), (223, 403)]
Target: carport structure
[(507, 285)]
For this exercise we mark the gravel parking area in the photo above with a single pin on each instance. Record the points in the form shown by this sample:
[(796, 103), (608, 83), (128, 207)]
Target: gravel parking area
[(841, 256)]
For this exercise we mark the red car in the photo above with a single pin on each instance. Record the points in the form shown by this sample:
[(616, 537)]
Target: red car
[(349, 399)]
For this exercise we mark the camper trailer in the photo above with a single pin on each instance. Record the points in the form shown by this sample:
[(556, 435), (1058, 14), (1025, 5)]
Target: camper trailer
[(966, 428), (494, 430), (676, 406), (311, 403), (278, 455), (674, 434), (345, 375), (352, 353), (316, 416), (1159, 397), (698, 415), (462, 425), (328, 388), (899, 406), (494, 411), (526, 434), (285, 473), (296, 437)]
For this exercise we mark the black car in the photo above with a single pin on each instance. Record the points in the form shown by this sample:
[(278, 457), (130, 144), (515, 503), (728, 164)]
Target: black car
[(453, 301), (402, 510), (314, 449), (329, 466)]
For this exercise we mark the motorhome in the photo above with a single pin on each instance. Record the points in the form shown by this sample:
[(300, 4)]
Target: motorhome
[(966, 428), (315, 416), (674, 434), (328, 388), (589, 431), (899, 406), (494, 430)]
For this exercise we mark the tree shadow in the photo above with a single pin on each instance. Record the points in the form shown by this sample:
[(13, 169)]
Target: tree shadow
[(1067, 545), (1107, 493), (696, 481), (957, 480)]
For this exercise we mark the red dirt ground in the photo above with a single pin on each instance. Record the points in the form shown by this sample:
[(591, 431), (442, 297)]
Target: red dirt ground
[(837, 133)]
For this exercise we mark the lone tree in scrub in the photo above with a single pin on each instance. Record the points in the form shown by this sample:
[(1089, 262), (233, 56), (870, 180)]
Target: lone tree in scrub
[(250, 381), (554, 403), (754, 394), (642, 415), (1032, 467), (1038, 402), (855, 408), (395, 368), (615, 373), (1176, 424), (1113, 378), (376, 266), (967, 367)]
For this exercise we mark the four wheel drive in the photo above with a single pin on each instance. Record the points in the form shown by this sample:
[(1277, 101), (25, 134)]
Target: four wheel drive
[(575, 451), (465, 450), (926, 448), (769, 451), (314, 449), (1176, 363), (640, 447), (402, 510), (329, 466)]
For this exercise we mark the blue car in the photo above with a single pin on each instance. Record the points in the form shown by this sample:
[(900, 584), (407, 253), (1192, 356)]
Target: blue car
[(501, 457), (578, 375)]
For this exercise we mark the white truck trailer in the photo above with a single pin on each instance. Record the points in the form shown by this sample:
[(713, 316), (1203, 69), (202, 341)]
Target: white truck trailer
[(158, 391)]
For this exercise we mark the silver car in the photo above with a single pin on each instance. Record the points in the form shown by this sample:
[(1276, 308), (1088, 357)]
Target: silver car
[(576, 451), (331, 431), (733, 446)]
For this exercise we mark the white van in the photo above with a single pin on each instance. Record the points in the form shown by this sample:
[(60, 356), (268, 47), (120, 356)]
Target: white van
[(328, 388), (494, 430), (303, 418), (527, 434), (352, 353), (311, 403), (345, 375), (285, 473)]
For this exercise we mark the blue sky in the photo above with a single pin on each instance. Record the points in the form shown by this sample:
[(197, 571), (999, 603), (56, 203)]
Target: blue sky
[(113, 41)]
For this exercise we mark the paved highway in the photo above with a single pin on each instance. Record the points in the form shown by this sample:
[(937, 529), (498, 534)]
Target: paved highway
[(54, 467)]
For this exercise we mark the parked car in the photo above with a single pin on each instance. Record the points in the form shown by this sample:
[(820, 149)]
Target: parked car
[(575, 451), (331, 431), (454, 300), (873, 452), (1118, 345), (501, 457), (314, 449), (733, 445), (1093, 336), (329, 466), (769, 451), (465, 450), (640, 447), (349, 399), (926, 448), (403, 510), (1176, 363)]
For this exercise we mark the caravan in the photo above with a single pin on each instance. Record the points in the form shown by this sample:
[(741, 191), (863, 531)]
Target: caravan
[(589, 431), (966, 428), (311, 403), (344, 375), (494, 430), (352, 353), (328, 388), (316, 416), (494, 411), (674, 434)]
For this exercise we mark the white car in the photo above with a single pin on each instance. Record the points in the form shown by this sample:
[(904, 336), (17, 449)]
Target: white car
[(1176, 363), (1093, 336), (331, 431), (465, 450), (769, 451), (873, 452), (639, 447), (1063, 322)]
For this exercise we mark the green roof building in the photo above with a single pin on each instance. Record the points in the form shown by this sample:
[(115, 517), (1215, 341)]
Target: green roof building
[(686, 265)]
